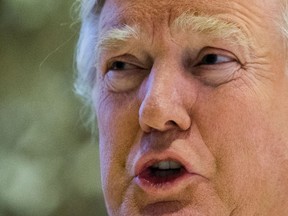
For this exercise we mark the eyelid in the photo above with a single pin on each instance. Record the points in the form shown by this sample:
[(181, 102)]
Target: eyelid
[(127, 59), (214, 51), (129, 66), (126, 79), (218, 73)]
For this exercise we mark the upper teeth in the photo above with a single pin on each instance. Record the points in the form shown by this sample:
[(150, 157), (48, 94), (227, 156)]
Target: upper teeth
[(167, 165)]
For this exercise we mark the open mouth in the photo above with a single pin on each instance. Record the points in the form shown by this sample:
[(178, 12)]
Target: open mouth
[(162, 172)]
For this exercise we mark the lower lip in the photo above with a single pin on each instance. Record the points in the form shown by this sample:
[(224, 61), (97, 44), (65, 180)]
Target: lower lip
[(151, 183)]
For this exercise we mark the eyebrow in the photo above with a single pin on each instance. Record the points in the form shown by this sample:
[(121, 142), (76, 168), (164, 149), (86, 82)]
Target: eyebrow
[(119, 37), (211, 26)]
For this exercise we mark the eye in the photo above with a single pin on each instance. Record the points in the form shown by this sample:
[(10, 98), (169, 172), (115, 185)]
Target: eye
[(216, 66), (124, 74), (120, 65), (212, 59)]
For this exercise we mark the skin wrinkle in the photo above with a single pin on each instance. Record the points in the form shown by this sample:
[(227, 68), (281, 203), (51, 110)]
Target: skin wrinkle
[(283, 24), (251, 20), (235, 122), (87, 9), (116, 38), (210, 26), (119, 37)]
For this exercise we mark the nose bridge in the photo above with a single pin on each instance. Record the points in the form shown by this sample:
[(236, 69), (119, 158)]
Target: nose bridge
[(162, 106), (161, 88)]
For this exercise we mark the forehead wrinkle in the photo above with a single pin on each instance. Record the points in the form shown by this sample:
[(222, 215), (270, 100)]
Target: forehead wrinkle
[(211, 26)]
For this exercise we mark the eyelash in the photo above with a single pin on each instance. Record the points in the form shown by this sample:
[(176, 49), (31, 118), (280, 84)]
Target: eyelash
[(119, 64), (210, 58), (115, 64), (206, 60)]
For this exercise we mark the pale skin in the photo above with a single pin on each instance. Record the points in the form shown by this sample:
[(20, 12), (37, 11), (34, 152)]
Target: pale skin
[(218, 107)]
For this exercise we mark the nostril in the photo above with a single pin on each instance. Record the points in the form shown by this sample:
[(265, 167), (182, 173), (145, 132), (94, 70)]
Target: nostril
[(161, 116), (171, 124)]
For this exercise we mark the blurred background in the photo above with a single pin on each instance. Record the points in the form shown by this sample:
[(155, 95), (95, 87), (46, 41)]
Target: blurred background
[(49, 163)]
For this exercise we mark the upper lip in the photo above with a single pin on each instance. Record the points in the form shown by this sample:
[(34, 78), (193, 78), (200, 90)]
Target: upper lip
[(147, 160)]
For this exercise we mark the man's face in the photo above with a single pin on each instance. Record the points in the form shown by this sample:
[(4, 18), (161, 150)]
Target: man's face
[(192, 106)]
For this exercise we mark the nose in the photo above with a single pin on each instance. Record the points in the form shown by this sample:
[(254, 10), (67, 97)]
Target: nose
[(167, 100)]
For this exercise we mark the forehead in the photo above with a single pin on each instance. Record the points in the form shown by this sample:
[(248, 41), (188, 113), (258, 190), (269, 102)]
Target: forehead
[(119, 12)]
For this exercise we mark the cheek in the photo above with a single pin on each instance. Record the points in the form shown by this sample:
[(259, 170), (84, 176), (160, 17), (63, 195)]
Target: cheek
[(238, 132), (118, 126), (235, 131), (117, 119)]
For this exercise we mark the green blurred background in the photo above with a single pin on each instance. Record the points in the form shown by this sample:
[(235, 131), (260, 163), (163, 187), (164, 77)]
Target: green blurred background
[(49, 164)]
